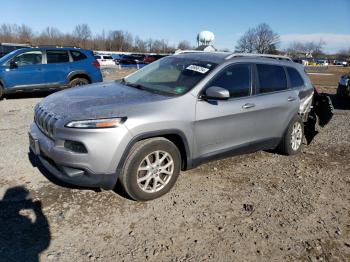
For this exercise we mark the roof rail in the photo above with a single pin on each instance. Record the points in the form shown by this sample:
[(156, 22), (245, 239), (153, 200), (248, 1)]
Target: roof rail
[(178, 52), (15, 44), (277, 57), (54, 46)]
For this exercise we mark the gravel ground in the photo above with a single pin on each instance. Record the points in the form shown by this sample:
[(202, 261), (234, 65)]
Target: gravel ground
[(256, 207)]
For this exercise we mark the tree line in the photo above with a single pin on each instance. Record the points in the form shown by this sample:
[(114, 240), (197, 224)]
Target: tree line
[(82, 36), (260, 39)]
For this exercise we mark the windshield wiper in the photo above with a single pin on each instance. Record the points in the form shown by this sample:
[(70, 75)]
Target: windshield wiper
[(138, 86)]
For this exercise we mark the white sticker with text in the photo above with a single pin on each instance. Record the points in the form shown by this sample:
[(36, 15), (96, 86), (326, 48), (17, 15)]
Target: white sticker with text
[(198, 69)]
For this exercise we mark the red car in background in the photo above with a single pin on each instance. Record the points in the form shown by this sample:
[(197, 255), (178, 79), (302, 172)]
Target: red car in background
[(151, 58)]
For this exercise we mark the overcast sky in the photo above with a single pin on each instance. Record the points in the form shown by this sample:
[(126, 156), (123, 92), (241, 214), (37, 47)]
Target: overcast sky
[(294, 20)]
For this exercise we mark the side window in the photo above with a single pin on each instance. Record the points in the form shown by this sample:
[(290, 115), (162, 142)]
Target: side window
[(77, 56), (236, 79), (57, 56), (28, 58), (295, 78), (272, 78)]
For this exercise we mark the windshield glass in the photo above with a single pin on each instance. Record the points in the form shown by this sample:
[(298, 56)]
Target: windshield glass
[(171, 75), (5, 57)]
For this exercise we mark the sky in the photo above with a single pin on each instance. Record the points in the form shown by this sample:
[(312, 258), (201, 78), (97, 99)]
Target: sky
[(176, 20)]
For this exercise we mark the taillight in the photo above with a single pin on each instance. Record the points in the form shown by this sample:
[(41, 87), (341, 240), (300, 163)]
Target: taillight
[(96, 64)]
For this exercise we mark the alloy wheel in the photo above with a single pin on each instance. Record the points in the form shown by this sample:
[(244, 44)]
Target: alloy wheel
[(155, 171)]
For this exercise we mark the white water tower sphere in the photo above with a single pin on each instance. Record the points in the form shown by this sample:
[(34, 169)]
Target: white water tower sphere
[(205, 37)]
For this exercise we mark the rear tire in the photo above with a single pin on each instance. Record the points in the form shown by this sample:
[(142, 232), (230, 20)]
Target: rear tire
[(151, 169), (2, 92), (78, 82), (292, 141)]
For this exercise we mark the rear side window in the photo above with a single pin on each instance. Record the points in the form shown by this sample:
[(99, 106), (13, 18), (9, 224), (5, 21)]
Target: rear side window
[(57, 56), (272, 78), (77, 56), (236, 79), (97, 57), (107, 57), (295, 78)]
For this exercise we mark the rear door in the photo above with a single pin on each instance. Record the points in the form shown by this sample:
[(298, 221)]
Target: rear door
[(224, 125), (28, 70), (275, 102), (57, 67)]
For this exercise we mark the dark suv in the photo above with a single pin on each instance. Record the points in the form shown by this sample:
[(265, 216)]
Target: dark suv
[(45, 68)]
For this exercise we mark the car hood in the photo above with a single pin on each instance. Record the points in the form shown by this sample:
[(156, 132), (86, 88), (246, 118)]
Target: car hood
[(101, 100)]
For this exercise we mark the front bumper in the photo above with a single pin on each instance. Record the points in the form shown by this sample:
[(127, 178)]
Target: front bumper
[(97, 168)]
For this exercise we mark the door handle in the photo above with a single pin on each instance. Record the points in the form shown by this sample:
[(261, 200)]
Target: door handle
[(248, 105), (291, 98)]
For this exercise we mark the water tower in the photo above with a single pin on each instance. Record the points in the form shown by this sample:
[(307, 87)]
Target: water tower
[(205, 38)]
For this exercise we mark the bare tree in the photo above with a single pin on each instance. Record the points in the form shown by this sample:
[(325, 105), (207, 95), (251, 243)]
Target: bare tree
[(8, 33), (149, 44), (184, 45), (82, 33), (50, 36), (343, 54), (24, 34), (260, 39), (116, 40), (314, 49), (140, 45)]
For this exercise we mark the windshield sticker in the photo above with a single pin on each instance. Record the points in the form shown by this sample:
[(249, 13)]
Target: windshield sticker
[(198, 69), (179, 89)]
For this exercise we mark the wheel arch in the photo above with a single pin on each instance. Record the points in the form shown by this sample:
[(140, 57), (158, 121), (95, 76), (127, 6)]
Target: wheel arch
[(79, 74), (174, 135), (2, 83)]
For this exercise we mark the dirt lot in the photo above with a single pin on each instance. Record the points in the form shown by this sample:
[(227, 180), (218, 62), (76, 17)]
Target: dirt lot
[(257, 207)]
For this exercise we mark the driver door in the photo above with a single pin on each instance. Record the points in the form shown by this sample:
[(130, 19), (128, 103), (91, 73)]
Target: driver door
[(225, 125), (25, 70)]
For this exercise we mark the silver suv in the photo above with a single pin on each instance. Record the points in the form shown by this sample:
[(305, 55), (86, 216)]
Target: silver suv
[(171, 115)]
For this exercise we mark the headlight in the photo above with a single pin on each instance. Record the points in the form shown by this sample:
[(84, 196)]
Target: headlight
[(97, 123)]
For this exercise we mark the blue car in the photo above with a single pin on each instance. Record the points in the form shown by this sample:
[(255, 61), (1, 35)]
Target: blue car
[(46, 68)]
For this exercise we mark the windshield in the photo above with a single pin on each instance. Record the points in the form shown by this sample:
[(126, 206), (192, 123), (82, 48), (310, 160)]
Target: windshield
[(6, 57), (171, 75)]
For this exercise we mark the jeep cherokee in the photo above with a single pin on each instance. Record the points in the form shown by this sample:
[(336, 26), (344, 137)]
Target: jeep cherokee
[(172, 115)]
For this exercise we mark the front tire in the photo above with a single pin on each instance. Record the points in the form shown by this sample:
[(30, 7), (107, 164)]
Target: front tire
[(292, 141), (78, 82), (151, 169)]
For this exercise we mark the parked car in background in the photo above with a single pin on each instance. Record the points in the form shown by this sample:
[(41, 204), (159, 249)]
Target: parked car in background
[(105, 60), (342, 62), (130, 60), (46, 68), (343, 89), (116, 58), (322, 62), (6, 48), (173, 114), (303, 61), (151, 58), (138, 57)]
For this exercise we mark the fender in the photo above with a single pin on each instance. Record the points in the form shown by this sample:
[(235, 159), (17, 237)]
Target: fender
[(160, 133), (77, 72)]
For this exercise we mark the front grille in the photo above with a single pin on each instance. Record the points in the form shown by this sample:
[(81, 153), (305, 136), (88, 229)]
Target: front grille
[(45, 121)]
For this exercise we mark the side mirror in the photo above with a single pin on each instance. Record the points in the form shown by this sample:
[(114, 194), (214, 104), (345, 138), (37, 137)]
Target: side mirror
[(13, 65), (216, 92)]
